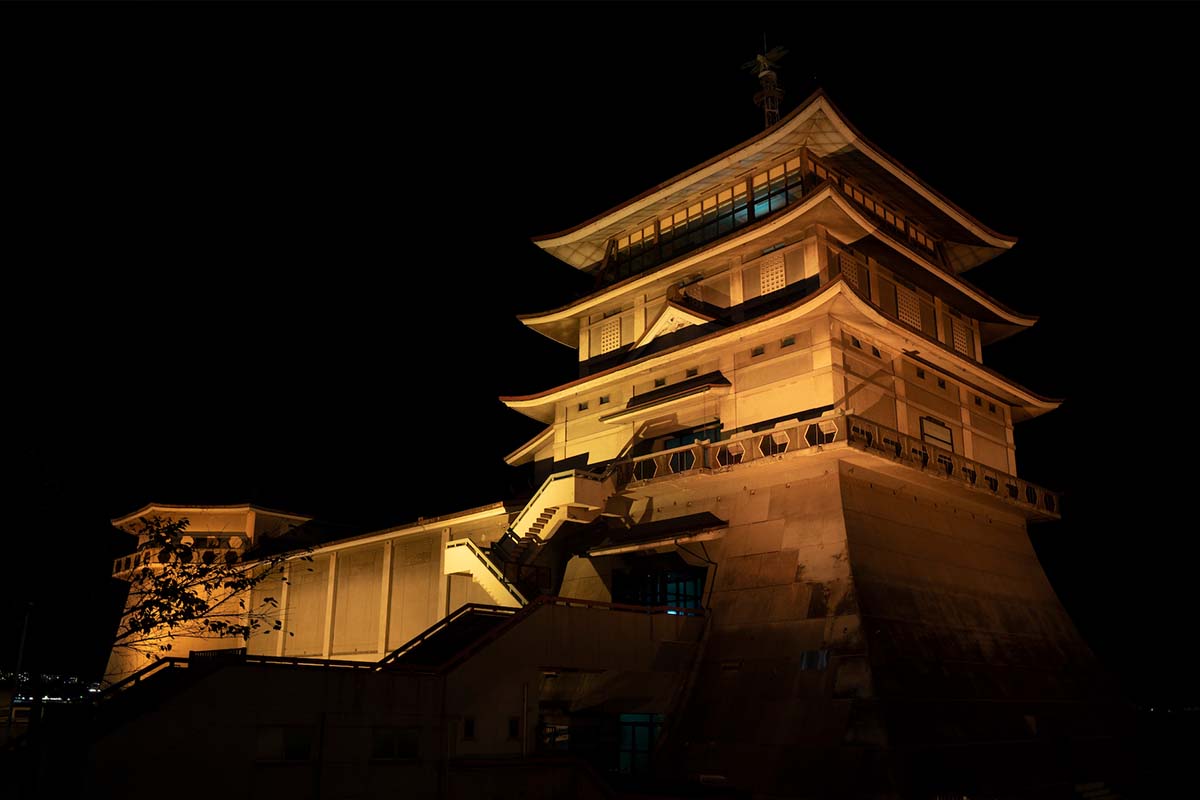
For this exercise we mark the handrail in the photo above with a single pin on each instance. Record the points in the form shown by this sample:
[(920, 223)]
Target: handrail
[(442, 623), (491, 567), (300, 661), (141, 675), (518, 615)]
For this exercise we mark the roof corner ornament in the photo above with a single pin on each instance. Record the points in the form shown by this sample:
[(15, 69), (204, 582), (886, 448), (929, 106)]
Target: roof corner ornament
[(768, 96)]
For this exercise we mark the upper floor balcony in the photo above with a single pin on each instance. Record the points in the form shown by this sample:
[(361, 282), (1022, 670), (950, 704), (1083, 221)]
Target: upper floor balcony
[(851, 431)]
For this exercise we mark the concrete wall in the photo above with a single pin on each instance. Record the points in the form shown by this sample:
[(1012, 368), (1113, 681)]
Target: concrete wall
[(893, 390), (774, 704), (977, 666), (222, 736), (631, 662)]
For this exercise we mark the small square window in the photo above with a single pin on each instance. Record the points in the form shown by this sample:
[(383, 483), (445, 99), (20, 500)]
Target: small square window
[(693, 372), (854, 341), (787, 341), (583, 406), (757, 351), (920, 373), (604, 399), (468, 727), (978, 400), (992, 407), (875, 352), (660, 382), (392, 744), (941, 383)]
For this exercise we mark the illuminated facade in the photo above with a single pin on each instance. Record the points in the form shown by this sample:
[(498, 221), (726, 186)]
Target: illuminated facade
[(779, 545)]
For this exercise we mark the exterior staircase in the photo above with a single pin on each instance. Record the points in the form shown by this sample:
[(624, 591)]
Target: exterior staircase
[(569, 496), (463, 555)]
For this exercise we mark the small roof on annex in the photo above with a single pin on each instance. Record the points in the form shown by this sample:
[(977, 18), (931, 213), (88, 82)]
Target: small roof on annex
[(173, 510), (818, 125)]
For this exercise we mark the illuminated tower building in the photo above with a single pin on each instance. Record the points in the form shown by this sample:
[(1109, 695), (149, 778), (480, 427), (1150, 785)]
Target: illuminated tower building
[(781, 374), (779, 543)]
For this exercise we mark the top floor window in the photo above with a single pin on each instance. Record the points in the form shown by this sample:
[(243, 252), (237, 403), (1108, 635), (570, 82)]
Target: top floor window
[(707, 219), (937, 433)]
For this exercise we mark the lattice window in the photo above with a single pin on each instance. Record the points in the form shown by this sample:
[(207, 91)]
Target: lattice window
[(771, 275), (909, 306), (849, 269), (961, 333), (610, 335)]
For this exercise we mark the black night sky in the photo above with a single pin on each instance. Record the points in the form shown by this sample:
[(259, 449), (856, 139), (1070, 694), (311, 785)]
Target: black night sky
[(275, 254)]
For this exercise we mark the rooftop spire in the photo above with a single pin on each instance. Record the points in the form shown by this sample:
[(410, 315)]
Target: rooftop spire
[(764, 66)]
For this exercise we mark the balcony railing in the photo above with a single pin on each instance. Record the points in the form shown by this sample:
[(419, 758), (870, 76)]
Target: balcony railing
[(859, 433), (873, 437), (740, 449)]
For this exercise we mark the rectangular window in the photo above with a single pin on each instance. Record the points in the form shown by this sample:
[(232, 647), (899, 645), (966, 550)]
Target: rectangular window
[(814, 659), (604, 399), (638, 735), (693, 372), (660, 382), (284, 743), (771, 274), (583, 406), (852, 271), (610, 335), (787, 341), (677, 588), (394, 743), (755, 352), (936, 432)]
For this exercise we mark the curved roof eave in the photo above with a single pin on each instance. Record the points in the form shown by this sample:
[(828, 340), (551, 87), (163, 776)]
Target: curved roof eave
[(818, 100), (541, 404), (526, 451), (1002, 312)]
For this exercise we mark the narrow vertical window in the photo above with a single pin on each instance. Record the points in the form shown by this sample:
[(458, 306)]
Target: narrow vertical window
[(961, 333), (610, 335), (908, 307)]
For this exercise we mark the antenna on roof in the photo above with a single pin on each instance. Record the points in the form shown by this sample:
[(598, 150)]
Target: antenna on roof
[(764, 66)]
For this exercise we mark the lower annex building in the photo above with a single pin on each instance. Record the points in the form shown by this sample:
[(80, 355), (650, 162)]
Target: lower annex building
[(779, 547)]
